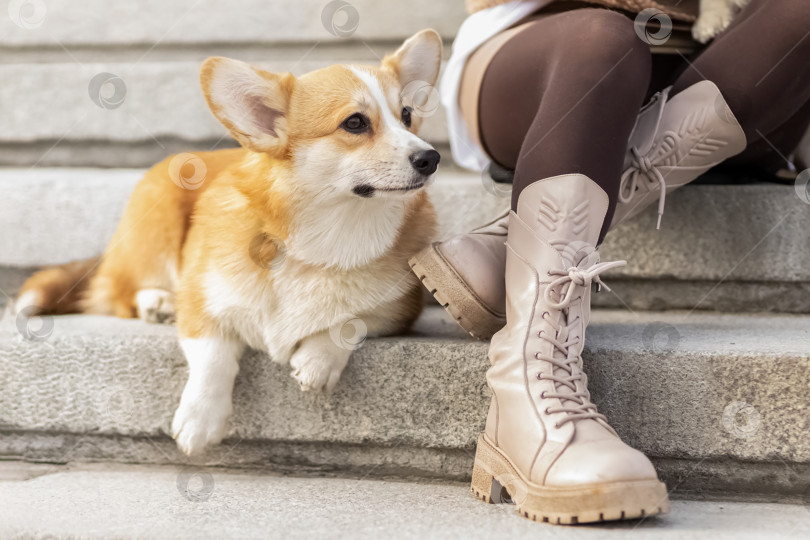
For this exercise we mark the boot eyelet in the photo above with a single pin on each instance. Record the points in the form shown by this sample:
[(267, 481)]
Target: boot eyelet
[(543, 316), (547, 410), (557, 425), (540, 333), (537, 356), (543, 393)]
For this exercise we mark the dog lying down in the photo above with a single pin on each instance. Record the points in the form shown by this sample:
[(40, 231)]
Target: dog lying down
[(279, 244)]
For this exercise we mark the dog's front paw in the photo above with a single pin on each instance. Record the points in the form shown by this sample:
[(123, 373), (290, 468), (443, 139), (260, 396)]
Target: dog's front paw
[(713, 19), (316, 371), (155, 306), (200, 423)]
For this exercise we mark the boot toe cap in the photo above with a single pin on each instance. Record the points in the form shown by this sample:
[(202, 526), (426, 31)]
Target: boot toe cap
[(597, 462)]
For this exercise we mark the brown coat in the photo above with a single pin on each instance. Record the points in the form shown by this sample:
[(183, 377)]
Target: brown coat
[(686, 10)]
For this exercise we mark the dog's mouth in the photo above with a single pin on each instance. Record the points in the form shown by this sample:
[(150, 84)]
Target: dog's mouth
[(367, 191)]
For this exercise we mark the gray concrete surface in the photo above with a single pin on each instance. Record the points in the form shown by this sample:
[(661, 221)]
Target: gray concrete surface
[(115, 501), (729, 295), (693, 479), (161, 101), (52, 216), (54, 115), (680, 386), (210, 22), (751, 232)]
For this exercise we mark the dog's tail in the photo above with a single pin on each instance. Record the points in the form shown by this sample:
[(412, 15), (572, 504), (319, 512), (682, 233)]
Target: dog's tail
[(57, 290)]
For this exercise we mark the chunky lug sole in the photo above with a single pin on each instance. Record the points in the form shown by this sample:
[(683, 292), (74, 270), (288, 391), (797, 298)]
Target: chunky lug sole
[(452, 292), (495, 480)]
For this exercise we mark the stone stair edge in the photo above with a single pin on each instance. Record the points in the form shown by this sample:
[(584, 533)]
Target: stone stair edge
[(210, 21), (440, 377)]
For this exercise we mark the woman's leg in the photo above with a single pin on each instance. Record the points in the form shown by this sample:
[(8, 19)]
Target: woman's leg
[(761, 64), (769, 152), (562, 97), (559, 97)]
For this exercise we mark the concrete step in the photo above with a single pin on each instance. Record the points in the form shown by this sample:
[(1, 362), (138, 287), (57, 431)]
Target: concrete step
[(158, 109), (725, 248), (205, 22), (150, 56), (715, 399), (106, 501)]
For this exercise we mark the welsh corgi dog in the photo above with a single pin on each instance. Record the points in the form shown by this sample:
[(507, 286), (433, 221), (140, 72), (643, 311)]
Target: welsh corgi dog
[(280, 245)]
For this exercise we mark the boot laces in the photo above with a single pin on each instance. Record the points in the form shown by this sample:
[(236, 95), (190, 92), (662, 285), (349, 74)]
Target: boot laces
[(567, 370), (643, 166)]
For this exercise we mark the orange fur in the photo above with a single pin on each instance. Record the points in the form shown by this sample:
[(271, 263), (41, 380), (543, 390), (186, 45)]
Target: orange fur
[(244, 208), (59, 290), (145, 251)]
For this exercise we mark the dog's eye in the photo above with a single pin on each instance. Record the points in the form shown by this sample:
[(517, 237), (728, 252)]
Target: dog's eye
[(406, 116), (356, 123)]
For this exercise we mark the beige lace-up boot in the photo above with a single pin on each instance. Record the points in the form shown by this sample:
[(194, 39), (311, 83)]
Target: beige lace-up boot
[(674, 141), (458, 273), (545, 444)]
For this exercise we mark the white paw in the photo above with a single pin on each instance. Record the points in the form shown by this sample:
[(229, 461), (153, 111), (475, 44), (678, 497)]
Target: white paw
[(199, 423), (155, 306), (316, 370), (712, 20)]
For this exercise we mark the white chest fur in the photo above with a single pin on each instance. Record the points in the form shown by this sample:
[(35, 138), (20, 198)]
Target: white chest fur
[(274, 309), (345, 233)]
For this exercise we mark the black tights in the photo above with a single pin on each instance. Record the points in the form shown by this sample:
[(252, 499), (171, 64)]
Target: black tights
[(562, 95)]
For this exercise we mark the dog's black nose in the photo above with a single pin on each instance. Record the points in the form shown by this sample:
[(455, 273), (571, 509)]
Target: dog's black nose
[(425, 161)]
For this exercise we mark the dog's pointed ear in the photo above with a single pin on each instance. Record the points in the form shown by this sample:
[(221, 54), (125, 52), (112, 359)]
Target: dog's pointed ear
[(252, 103), (418, 59)]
